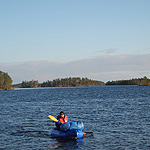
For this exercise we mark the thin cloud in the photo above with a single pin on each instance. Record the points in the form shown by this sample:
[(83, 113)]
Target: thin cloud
[(107, 51), (104, 68), (147, 49)]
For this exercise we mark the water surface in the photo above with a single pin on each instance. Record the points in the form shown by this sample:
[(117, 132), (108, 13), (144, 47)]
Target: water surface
[(118, 116)]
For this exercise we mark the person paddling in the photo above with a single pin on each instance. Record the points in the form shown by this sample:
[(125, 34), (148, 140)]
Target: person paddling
[(62, 118)]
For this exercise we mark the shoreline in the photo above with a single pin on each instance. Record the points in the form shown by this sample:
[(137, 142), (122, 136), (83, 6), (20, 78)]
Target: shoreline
[(7, 89)]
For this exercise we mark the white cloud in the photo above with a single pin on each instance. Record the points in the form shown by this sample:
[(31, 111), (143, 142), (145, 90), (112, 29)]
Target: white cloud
[(102, 68)]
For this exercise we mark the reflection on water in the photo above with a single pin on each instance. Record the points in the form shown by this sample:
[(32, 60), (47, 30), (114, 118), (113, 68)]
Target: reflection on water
[(66, 143), (62, 143)]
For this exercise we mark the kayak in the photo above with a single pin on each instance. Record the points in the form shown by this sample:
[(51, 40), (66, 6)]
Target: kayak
[(67, 134)]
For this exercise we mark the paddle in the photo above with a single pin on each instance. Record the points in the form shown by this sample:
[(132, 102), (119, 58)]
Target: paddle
[(55, 120), (84, 133)]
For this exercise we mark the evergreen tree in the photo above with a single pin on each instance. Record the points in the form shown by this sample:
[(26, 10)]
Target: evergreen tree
[(5, 81), (30, 84)]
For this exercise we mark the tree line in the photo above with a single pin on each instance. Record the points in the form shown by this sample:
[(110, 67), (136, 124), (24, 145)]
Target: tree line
[(64, 82), (30, 84), (136, 81), (69, 82), (5, 81)]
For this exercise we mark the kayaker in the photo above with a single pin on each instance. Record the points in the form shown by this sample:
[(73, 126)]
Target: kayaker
[(62, 118)]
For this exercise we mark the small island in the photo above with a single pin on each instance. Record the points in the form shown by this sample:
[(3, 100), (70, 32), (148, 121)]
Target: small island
[(63, 82), (137, 81)]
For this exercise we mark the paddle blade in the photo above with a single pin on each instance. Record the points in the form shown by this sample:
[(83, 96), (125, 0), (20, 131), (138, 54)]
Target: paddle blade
[(52, 118), (84, 133)]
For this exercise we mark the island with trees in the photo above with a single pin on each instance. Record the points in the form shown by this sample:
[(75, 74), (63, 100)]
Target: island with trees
[(5, 81), (63, 82), (137, 81)]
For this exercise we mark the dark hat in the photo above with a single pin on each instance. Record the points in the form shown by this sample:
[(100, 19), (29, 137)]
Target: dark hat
[(61, 112)]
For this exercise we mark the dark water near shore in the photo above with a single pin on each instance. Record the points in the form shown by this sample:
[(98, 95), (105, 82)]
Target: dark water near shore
[(118, 116)]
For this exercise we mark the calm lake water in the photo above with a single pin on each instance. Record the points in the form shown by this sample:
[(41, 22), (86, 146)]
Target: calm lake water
[(118, 116)]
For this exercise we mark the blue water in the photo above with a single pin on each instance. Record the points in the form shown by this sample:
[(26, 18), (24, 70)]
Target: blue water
[(118, 116)]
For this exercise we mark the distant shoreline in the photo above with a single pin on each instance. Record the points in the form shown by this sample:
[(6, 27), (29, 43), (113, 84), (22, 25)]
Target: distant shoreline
[(75, 86), (79, 82), (74, 82), (12, 88)]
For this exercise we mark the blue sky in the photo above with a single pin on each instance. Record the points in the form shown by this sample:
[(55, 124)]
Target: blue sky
[(72, 30)]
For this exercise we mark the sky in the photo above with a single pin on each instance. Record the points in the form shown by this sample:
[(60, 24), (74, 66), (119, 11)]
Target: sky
[(100, 39)]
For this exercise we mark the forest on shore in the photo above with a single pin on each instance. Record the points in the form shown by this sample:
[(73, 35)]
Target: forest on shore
[(137, 81), (64, 82), (5, 81), (77, 81)]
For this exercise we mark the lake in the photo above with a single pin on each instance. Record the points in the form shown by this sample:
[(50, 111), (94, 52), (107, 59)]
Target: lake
[(117, 116)]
